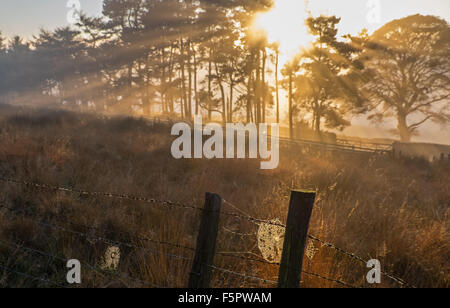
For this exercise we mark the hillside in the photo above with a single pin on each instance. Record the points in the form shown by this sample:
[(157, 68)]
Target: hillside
[(371, 205)]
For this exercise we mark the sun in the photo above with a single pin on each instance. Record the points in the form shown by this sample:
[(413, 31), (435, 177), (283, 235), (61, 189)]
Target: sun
[(285, 24)]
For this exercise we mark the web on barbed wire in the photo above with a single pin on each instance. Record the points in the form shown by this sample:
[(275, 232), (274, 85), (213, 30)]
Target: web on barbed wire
[(270, 240), (111, 259)]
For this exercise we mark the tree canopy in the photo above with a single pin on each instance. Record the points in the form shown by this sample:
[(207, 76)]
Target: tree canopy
[(325, 86), (186, 57), (407, 65)]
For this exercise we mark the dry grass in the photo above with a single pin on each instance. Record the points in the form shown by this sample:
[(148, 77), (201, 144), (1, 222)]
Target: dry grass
[(396, 211)]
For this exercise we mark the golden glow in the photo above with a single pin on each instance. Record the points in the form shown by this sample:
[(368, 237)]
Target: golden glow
[(285, 24)]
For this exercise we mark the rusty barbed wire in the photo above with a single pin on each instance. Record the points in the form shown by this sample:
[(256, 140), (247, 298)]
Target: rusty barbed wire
[(322, 242), (166, 203), (105, 240), (137, 236), (279, 264), (169, 203), (245, 276), (224, 270), (89, 266), (357, 258), (234, 255), (242, 235), (330, 245), (337, 281), (9, 270), (235, 207)]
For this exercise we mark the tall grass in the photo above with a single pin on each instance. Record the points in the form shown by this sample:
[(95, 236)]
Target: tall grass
[(394, 210)]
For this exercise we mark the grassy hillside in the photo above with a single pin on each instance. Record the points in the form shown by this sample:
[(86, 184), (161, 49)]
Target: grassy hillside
[(372, 205)]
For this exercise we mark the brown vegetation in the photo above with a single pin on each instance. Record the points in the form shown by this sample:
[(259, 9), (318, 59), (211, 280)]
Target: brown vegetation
[(377, 207)]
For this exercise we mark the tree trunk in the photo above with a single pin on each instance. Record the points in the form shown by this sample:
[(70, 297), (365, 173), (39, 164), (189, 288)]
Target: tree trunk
[(148, 106), (197, 103), (258, 88), (317, 123), (318, 120), (189, 78), (263, 85), (210, 86), (277, 86), (163, 81), (171, 106), (183, 80), (291, 107), (249, 97), (130, 81), (405, 134), (222, 92), (230, 109), (182, 103)]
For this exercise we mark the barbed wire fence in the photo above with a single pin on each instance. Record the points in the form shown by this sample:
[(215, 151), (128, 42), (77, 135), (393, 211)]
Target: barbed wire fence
[(125, 278)]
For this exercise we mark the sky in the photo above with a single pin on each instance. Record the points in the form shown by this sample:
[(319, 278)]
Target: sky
[(25, 17), (355, 12), (284, 23)]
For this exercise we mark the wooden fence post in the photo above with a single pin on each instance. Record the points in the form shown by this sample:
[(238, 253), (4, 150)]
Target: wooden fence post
[(300, 210), (200, 276)]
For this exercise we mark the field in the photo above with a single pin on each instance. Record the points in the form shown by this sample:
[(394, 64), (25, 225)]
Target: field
[(372, 205)]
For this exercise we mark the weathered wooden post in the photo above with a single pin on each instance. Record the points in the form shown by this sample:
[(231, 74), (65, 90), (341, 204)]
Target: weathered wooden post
[(200, 276), (300, 210)]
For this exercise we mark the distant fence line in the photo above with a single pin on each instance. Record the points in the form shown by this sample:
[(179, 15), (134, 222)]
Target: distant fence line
[(397, 149), (341, 143), (431, 152), (205, 250)]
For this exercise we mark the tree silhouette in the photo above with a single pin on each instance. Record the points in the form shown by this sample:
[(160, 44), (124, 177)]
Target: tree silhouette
[(289, 71), (408, 72), (61, 63), (325, 86), (3, 63), (186, 57)]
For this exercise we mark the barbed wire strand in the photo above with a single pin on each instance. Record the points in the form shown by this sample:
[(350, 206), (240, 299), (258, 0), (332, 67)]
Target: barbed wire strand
[(330, 279), (91, 267), (109, 241), (129, 245), (166, 203), (233, 255), (355, 257), (9, 270), (275, 282), (170, 203), (137, 237), (226, 254), (235, 207), (224, 270), (323, 243), (242, 235)]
